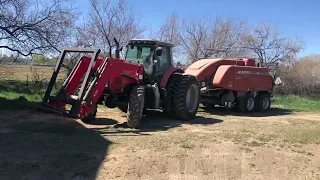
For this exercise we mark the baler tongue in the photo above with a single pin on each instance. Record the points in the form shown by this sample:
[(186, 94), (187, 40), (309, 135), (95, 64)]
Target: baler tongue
[(84, 69)]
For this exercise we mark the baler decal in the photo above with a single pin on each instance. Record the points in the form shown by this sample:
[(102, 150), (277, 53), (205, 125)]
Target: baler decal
[(250, 72)]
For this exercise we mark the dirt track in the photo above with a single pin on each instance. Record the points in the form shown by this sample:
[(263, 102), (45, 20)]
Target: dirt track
[(216, 145)]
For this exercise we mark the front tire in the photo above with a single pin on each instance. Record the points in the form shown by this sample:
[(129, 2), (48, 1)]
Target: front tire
[(186, 97), (135, 107)]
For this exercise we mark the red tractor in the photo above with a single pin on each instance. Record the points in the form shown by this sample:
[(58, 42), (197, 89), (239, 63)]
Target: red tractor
[(145, 79), (233, 82)]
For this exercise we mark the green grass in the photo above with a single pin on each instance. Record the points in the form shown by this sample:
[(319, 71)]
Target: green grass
[(12, 91), (34, 91), (13, 96), (297, 103)]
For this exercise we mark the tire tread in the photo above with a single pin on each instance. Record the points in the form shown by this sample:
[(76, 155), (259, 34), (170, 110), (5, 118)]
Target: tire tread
[(135, 107), (179, 97)]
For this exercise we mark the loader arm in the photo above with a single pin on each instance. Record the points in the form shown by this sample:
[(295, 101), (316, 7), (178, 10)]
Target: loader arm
[(112, 72), (98, 75)]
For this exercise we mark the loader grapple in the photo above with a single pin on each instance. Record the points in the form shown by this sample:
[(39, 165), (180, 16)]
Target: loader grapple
[(84, 68)]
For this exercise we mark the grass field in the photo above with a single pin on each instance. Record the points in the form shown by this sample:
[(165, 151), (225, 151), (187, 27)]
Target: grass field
[(281, 144), (24, 73)]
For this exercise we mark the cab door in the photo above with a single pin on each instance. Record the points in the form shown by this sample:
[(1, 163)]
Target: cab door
[(162, 64)]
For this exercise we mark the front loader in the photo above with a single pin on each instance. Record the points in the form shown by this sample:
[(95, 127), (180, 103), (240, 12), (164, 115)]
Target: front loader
[(144, 79)]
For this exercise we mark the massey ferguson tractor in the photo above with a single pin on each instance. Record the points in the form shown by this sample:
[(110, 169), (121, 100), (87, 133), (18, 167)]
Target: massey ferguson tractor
[(233, 82), (147, 79), (144, 79)]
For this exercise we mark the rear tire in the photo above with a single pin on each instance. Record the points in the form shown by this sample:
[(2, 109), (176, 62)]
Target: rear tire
[(186, 97), (246, 103), (263, 102), (135, 107), (92, 116), (170, 90)]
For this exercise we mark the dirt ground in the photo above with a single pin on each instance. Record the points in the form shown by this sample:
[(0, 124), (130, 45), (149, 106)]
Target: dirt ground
[(216, 145)]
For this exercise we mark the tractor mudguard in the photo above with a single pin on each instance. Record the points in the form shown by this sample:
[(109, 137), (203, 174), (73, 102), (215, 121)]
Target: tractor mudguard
[(167, 74)]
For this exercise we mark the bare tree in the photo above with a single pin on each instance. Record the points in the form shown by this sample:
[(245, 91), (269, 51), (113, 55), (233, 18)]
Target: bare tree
[(107, 22), (225, 39), (170, 30), (193, 36), (33, 27), (269, 47), (206, 38)]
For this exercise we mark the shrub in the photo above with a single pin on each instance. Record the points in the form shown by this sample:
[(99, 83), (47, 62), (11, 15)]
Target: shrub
[(302, 78)]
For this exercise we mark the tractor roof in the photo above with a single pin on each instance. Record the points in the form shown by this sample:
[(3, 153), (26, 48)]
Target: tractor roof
[(150, 41)]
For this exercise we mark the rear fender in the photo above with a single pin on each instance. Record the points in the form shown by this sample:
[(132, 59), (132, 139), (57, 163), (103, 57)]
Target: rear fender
[(167, 74)]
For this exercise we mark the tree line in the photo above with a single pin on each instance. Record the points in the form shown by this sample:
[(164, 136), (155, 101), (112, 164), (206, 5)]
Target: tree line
[(29, 27), (39, 29)]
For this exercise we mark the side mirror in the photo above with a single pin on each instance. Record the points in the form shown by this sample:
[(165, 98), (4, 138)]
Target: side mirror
[(159, 51)]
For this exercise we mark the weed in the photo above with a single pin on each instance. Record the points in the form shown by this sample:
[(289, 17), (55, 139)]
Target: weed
[(187, 145), (254, 144), (310, 154), (246, 149)]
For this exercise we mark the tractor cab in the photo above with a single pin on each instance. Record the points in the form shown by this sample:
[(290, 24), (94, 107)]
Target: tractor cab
[(156, 56)]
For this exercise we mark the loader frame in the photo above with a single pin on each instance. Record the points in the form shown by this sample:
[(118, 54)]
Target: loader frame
[(82, 96)]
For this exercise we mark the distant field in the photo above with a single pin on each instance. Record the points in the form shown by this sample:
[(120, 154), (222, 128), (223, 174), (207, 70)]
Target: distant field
[(24, 73)]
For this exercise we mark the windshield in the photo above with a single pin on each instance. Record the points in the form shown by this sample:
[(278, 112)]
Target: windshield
[(142, 54), (139, 53)]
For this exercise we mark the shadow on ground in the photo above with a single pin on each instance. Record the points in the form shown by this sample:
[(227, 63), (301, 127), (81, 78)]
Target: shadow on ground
[(154, 121), (14, 105), (42, 146), (103, 121), (233, 112)]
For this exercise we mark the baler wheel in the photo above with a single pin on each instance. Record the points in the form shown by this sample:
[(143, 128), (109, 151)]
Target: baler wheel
[(246, 103), (186, 97), (262, 102), (135, 107), (92, 116)]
